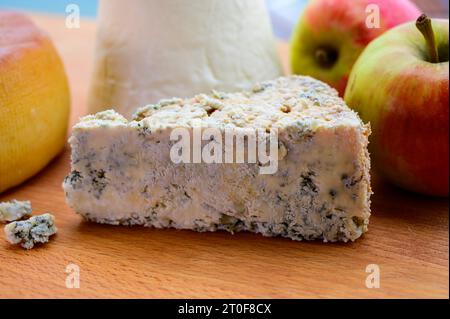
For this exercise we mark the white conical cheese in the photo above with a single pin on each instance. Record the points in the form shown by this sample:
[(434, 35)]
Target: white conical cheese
[(148, 50)]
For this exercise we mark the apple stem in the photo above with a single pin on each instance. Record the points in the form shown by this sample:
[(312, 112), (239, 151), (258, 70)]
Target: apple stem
[(424, 25)]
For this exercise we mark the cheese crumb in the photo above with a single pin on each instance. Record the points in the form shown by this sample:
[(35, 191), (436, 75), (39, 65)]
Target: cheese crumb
[(14, 210), (27, 233)]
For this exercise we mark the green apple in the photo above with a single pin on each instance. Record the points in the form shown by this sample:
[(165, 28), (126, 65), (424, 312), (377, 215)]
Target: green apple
[(400, 85)]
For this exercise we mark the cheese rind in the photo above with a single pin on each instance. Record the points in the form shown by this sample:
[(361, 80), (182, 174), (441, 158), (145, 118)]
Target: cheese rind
[(34, 99), (122, 173)]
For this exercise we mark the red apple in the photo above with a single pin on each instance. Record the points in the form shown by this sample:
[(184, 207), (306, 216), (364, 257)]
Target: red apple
[(331, 35), (400, 85)]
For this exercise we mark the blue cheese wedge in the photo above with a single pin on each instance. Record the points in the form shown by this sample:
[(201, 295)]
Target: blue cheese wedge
[(122, 172), (27, 233), (14, 210)]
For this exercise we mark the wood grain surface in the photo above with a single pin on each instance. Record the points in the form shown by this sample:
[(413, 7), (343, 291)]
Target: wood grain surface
[(408, 240)]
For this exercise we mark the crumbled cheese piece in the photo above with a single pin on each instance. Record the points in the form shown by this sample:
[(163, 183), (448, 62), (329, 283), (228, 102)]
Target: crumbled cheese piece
[(29, 232), (108, 115), (14, 210)]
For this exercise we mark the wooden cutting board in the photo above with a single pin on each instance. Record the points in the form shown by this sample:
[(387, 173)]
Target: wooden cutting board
[(408, 240)]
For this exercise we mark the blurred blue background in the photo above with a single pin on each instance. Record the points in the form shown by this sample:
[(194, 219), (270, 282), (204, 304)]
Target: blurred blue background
[(88, 8), (284, 13)]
